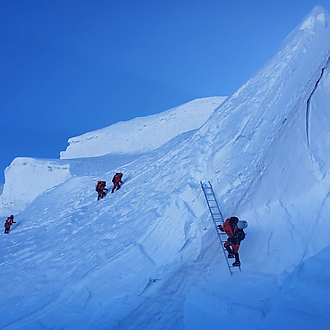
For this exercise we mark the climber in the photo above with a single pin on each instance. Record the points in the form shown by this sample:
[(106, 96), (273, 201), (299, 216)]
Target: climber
[(7, 226), (234, 229), (229, 226), (100, 187), (116, 180)]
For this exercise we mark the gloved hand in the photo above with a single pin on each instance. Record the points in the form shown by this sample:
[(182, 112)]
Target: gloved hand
[(220, 227)]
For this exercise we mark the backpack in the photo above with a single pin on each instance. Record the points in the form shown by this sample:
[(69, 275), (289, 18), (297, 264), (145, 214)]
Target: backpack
[(100, 185), (233, 222), (240, 235), (116, 175)]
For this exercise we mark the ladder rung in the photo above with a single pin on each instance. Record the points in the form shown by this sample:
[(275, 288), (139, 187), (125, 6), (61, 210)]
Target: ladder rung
[(217, 218)]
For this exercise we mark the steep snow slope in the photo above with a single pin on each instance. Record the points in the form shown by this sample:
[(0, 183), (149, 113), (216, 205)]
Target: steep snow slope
[(147, 257), (27, 178), (145, 133), (286, 201), (304, 301), (270, 147), (77, 253), (263, 301)]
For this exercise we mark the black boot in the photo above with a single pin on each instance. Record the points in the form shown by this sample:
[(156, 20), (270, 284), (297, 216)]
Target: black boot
[(230, 252), (237, 262)]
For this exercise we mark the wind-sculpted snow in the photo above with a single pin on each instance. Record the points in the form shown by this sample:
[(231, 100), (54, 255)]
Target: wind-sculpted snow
[(26, 178), (77, 252), (147, 256), (304, 301), (125, 140), (260, 155), (145, 133), (263, 301)]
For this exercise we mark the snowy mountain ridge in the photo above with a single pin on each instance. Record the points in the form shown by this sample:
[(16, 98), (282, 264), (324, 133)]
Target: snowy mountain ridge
[(27, 178), (147, 256), (138, 135)]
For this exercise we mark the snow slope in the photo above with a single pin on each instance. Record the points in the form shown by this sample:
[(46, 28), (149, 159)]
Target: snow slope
[(138, 135), (147, 256), (27, 178), (304, 301), (271, 149)]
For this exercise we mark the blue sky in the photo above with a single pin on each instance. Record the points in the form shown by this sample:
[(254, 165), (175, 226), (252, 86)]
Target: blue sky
[(69, 67)]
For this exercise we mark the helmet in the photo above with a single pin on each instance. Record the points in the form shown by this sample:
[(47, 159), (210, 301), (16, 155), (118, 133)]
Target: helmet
[(242, 224)]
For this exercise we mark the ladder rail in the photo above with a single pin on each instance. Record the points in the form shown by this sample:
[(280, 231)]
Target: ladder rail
[(217, 220), (216, 202)]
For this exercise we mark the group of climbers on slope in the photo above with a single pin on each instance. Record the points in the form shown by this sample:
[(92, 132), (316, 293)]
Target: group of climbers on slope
[(100, 188), (232, 226), (9, 222), (101, 185), (234, 229)]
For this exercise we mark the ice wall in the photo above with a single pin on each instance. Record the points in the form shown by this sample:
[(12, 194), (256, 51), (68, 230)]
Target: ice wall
[(27, 178)]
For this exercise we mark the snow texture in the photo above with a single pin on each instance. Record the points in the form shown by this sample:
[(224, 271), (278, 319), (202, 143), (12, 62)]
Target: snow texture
[(27, 178), (148, 257), (138, 135)]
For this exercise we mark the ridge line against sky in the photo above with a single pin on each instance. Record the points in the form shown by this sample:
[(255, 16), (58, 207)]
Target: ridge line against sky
[(72, 67)]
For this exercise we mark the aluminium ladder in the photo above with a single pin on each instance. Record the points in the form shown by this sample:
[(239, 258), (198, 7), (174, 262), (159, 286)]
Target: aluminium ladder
[(217, 218)]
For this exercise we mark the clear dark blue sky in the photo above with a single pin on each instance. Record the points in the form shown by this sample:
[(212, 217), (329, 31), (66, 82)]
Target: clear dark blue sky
[(73, 66)]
